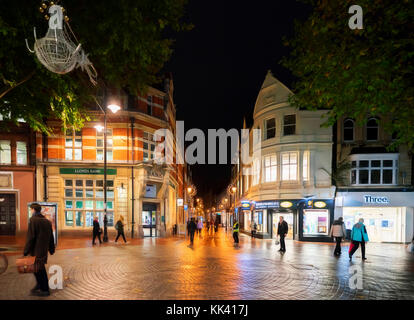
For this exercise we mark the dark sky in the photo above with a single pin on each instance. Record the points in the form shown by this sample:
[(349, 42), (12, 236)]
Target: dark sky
[(219, 67)]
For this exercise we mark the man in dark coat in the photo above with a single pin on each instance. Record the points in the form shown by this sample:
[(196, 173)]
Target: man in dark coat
[(39, 241), (96, 231), (192, 227), (282, 230)]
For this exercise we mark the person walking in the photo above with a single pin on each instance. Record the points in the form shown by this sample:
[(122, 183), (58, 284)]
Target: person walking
[(216, 225), (120, 228), (236, 233), (359, 236), (254, 230), (192, 227), (200, 227), (338, 232), (282, 230), (96, 231), (39, 242)]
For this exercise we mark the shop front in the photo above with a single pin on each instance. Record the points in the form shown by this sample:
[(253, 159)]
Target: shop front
[(308, 220), (388, 214)]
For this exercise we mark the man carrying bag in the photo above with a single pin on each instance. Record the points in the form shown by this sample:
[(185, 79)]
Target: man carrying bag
[(282, 230), (39, 241)]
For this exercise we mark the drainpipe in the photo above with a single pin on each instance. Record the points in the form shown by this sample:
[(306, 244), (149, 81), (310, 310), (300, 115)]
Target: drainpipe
[(44, 153), (132, 179)]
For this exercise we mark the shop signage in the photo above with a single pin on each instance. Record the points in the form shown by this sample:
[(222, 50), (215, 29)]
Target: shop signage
[(185, 207), (86, 171), (319, 204), (180, 202), (245, 205), (286, 204), (267, 205), (373, 199)]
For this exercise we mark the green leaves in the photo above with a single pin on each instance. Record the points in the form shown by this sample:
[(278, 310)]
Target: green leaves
[(357, 73), (128, 41)]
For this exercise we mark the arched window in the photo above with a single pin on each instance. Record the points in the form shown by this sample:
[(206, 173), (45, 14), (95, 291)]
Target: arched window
[(348, 130), (372, 129)]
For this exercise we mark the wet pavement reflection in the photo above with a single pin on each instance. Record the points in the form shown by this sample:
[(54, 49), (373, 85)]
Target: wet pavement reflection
[(158, 268)]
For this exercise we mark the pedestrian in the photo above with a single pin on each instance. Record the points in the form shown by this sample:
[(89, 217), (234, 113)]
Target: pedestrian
[(216, 225), (39, 241), (192, 227), (236, 233), (96, 231), (359, 236), (282, 230), (200, 226), (338, 231), (254, 230), (212, 226), (120, 228)]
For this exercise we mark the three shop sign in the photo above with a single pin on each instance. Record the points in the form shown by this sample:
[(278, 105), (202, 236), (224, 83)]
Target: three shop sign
[(376, 200)]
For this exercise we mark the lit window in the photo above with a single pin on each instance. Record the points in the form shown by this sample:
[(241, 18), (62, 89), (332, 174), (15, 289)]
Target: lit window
[(5, 152), (349, 130), (305, 166), (289, 124), (100, 145), (73, 145), (270, 168), (148, 146), (21, 151), (315, 222), (289, 166)]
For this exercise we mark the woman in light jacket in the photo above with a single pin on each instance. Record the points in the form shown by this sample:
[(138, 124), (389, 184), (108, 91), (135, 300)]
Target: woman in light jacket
[(359, 236), (338, 232)]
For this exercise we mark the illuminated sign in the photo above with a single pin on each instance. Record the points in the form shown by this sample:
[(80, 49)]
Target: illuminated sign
[(286, 204), (245, 205), (320, 204), (267, 204), (379, 200), (180, 202)]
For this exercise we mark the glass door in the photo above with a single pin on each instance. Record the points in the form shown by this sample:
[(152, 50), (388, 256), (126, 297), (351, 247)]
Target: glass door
[(288, 217), (149, 221)]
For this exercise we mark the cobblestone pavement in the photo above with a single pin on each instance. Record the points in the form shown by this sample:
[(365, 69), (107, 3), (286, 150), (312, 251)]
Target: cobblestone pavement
[(214, 269)]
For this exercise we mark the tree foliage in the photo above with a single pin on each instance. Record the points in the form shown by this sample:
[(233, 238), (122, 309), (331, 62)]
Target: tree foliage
[(361, 72), (128, 41)]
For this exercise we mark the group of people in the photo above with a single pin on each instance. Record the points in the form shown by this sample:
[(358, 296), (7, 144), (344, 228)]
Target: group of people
[(97, 230)]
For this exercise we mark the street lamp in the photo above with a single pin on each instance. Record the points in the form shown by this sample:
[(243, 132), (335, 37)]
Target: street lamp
[(232, 191), (114, 108)]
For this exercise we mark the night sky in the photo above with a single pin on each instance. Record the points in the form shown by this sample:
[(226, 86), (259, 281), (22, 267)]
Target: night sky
[(219, 67)]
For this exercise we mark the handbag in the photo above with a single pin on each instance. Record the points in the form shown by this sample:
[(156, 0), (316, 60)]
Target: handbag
[(100, 230), (25, 264), (277, 241)]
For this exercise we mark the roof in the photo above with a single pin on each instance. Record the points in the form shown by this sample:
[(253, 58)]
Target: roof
[(272, 92)]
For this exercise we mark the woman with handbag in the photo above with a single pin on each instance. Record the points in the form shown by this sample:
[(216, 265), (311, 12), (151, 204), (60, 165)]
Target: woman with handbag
[(39, 242), (96, 232), (120, 228)]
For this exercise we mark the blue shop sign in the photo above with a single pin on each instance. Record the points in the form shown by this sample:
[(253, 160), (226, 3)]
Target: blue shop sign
[(245, 205)]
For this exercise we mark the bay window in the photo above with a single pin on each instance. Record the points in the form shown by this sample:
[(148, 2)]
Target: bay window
[(270, 168), (270, 128)]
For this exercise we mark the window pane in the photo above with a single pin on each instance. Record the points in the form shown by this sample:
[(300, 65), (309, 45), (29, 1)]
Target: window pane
[(145, 156), (99, 143), (99, 183), (78, 133), (110, 204), (353, 176), (78, 154), (376, 163), (79, 183), (270, 133), (372, 134), (110, 194), (99, 155), (69, 204), (110, 216), (99, 193), (109, 155), (348, 134), (387, 176), (78, 143), (79, 193), (79, 219), (68, 154), (145, 146), (69, 218), (89, 204), (353, 164), (89, 219), (109, 183), (315, 222), (289, 130), (79, 204), (99, 205), (387, 163), (289, 119), (363, 176), (109, 143), (375, 176), (68, 183), (285, 158), (152, 147), (89, 183), (69, 193), (364, 164), (89, 193), (21, 153), (68, 142)]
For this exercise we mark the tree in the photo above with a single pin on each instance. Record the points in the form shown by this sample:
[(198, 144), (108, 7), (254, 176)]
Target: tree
[(128, 42), (360, 72)]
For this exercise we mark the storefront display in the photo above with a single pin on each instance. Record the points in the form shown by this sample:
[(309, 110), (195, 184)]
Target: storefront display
[(260, 218), (315, 222), (288, 217)]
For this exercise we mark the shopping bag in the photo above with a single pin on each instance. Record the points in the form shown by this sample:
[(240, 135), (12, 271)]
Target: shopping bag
[(277, 241), (351, 246)]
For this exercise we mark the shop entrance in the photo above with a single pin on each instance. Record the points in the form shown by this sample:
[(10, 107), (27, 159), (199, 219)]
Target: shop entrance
[(383, 224), (7, 214), (149, 219), (289, 217)]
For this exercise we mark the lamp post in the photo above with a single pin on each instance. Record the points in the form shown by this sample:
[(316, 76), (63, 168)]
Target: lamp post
[(232, 191), (114, 108)]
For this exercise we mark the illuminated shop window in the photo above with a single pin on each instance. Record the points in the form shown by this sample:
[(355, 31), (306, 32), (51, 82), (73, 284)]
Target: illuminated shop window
[(315, 222)]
